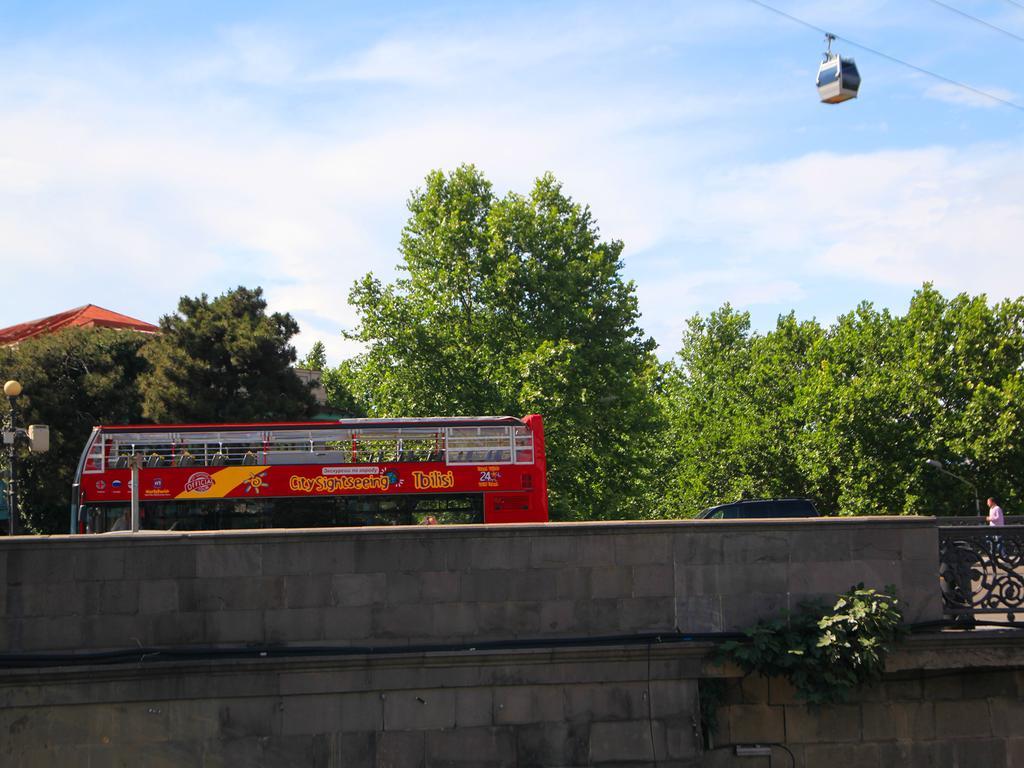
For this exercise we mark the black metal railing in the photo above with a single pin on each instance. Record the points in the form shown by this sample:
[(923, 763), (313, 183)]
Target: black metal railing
[(978, 520), (981, 572)]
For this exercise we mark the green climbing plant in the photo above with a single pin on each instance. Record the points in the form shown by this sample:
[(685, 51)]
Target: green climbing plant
[(711, 695), (824, 653)]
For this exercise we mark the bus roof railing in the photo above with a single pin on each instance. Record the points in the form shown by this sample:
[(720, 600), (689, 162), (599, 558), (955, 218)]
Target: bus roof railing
[(266, 426)]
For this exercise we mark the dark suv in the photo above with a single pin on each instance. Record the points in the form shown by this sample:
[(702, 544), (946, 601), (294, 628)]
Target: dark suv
[(760, 508)]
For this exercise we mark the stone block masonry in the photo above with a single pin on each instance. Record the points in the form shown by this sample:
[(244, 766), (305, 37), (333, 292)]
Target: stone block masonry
[(955, 713), (445, 585), (447, 646), (575, 707)]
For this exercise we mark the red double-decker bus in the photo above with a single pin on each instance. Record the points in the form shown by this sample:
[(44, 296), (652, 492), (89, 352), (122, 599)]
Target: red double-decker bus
[(487, 469)]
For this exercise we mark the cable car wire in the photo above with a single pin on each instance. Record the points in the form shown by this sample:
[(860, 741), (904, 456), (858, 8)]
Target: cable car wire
[(922, 70), (966, 15), (1014, 2)]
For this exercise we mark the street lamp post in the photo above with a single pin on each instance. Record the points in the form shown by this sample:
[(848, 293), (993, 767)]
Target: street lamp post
[(936, 464), (36, 437), (12, 389)]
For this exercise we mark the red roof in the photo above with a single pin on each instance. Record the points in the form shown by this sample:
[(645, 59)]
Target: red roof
[(89, 316)]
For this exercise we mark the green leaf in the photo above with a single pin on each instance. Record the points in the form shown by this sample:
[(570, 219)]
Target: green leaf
[(823, 654)]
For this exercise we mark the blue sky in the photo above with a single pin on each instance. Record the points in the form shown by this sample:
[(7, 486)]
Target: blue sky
[(148, 151)]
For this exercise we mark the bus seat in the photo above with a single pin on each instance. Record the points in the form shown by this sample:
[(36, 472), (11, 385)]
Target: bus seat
[(218, 459), (154, 460), (249, 459), (122, 461)]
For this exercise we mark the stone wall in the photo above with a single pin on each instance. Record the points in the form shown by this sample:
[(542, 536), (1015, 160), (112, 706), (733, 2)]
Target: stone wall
[(578, 707), (952, 714), (941, 705), (446, 646), (445, 585)]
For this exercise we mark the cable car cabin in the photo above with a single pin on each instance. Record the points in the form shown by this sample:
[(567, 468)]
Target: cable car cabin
[(353, 472), (838, 79)]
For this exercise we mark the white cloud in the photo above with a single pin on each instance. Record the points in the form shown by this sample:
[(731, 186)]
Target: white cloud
[(761, 235), (134, 203), (894, 217), (952, 94), (246, 54), (130, 190), (417, 62), (527, 41)]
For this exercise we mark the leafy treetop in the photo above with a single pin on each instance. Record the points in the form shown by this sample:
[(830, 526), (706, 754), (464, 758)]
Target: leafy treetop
[(74, 380), (515, 305), (224, 360)]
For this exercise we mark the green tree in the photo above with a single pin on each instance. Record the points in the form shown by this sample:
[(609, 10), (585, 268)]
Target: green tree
[(74, 380), (968, 358), (860, 444), (316, 358), (730, 401), (849, 414), (224, 360), (515, 305), (887, 393), (341, 400)]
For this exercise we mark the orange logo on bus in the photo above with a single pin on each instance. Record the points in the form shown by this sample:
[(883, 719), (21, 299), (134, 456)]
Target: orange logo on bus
[(256, 481), (428, 481), (336, 484)]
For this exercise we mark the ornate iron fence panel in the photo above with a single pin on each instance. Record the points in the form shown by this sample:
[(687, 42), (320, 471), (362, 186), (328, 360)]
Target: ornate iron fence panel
[(981, 571), (978, 520)]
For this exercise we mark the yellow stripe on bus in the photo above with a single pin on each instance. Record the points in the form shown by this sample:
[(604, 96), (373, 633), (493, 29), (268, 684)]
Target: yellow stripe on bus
[(224, 482)]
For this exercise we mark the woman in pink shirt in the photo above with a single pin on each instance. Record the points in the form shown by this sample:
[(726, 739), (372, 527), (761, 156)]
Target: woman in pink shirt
[(995, 513), (996, 518)]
